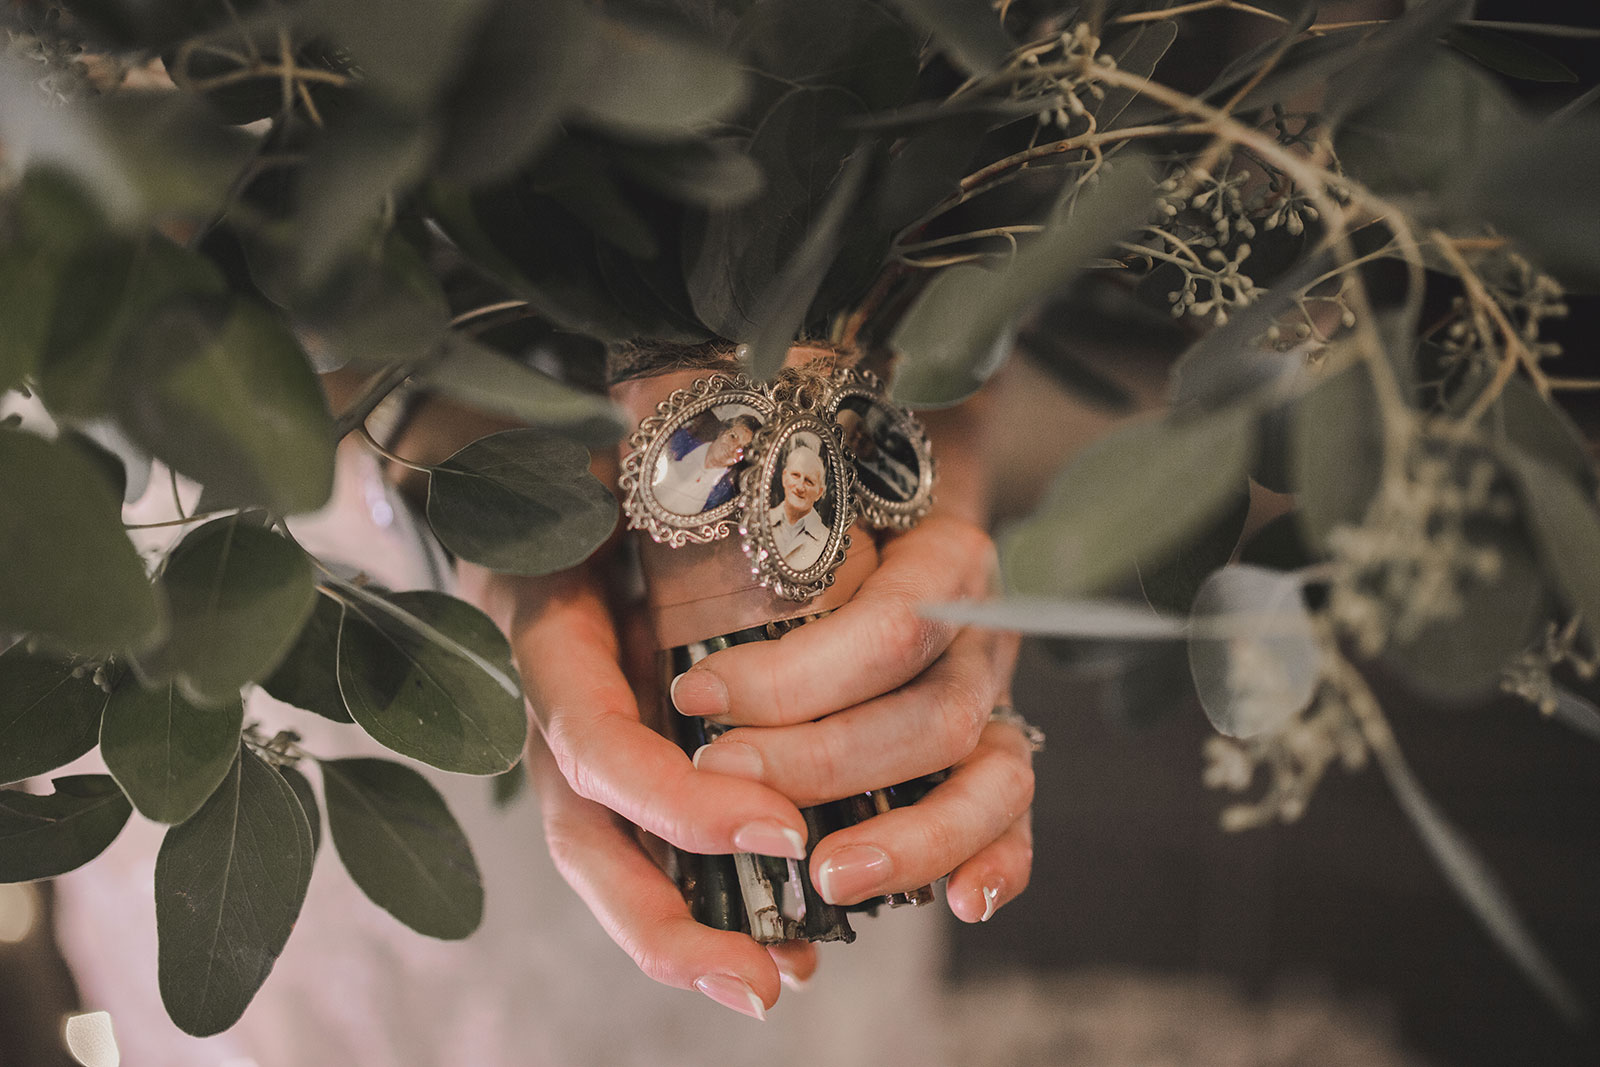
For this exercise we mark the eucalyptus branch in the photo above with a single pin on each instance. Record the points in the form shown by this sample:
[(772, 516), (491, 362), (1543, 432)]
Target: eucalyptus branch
[(182, 521), (1007, 232), (474, 314), (372, 443), (1584, 33), (1517, 352), (1315, 181), (1471, 879), (998, 172), (373, 392), (1161, 14)]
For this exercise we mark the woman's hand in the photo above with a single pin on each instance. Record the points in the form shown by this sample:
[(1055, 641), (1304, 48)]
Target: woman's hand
[(598, 769), (915, 697)]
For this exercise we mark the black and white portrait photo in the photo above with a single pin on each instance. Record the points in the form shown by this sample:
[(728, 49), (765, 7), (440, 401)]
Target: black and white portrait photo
[(886, 461)]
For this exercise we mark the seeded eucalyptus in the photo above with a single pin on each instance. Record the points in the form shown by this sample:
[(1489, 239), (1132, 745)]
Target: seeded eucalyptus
[(1365, 241)]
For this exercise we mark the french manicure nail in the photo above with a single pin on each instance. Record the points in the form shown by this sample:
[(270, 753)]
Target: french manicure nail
[(766, 838), (699, 692), (852, 873), (733, 993), (991, 900), (730, 757)]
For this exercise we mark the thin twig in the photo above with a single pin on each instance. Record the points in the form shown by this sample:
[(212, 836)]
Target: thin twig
[(372, 394), (372, 443), (1008, 232), (185, 521), (1197, 5), (1517, 351)]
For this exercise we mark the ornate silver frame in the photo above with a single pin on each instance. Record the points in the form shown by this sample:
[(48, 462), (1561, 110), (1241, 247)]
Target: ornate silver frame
[(877, 510), (756, 539), (646, 443)]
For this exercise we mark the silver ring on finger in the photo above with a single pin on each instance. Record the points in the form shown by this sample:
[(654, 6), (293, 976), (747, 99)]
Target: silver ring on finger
[(1009, 715)]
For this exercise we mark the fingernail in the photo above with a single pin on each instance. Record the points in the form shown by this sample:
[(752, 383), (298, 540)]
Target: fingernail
[(852, 873), (793, 981), (766, 838), (730, 757), (733, 993), (699, 692), (991, 899)]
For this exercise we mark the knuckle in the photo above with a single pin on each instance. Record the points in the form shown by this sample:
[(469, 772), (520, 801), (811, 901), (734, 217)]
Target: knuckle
[(963, 711), (902, 634)]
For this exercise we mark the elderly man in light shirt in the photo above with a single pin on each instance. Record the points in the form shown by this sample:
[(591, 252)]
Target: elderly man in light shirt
[(798, 532)]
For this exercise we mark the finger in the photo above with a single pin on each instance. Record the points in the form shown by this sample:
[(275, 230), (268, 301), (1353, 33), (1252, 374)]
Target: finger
[(566, 651), (797, 962), (640, 908), (909, 847), (995, 876), (927, 725), (872, 644)]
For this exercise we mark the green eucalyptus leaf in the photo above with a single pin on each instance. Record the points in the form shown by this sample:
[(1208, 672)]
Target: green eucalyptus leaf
[(378, 306), (540, 251), (229, 886), (408, 51), (521, 502), (529, 63), (707, 173), (1508, 55), (1137, 494), (580, 177), (782, 309), (1278, 545), (368, 155), (48, 218), (1255, 679), (49, 713), (491, 381), (1541, 430), (225, 396), (1535, 184), (1049, 617), (412, 670), (172, 153), (1335, 453), (401, 845), (112, 288), (1389, 59), (649, 84), (862, 48), (41, 837), (71, 576), (1170, 584), (735, 256), (1423, 138), (1566, 531), (308, 803), (168, 754), (1483, 893), (1466, 656), (109, 463), (949, 336), (308, 677), (239, 595), (970, 33)]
